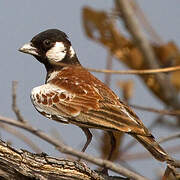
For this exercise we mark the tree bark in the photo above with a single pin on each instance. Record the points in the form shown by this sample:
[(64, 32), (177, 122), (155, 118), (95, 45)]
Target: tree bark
[(23, 165)]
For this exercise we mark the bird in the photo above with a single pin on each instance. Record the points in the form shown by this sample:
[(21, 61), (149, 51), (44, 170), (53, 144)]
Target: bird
[(72, 95)]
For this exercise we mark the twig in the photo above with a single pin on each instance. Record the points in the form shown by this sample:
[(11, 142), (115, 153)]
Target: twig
[(21, 136), (134, 71), (68, 150), (14, 105), (21, 119), (108, 66), (164, 112), (145, 71), (173, 136), (145, 155)]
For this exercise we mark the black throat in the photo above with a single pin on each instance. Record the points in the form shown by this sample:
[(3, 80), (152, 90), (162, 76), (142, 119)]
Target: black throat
[(67, 61)]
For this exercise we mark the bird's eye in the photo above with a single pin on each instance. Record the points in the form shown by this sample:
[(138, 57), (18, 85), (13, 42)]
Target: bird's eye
[(47, 43)]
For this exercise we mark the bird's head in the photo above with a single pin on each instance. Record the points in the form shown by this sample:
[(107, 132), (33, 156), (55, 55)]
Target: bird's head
[(52, 48)]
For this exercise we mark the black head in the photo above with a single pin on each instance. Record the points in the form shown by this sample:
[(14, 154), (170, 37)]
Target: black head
[(52, 48)]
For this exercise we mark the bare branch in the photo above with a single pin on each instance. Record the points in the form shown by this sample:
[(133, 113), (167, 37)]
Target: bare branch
[(14, 105), (108, 66), (68, 150), (146, 155), (144, 71), (21, 119), (163, 112), (168, 138), (25, 165), (22, 137), (134, 71)]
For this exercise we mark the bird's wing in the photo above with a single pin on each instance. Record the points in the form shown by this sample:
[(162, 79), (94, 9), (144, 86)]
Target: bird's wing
[(56, 102), (117, 117)]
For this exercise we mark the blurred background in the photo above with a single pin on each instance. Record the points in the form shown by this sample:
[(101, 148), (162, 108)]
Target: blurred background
[(21, 20)]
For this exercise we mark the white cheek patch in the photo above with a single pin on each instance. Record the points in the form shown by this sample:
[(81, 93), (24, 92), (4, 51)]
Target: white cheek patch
[(72, 52), (57, 53)]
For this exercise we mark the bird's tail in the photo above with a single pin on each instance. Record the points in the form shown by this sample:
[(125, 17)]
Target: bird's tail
[(153, 147)]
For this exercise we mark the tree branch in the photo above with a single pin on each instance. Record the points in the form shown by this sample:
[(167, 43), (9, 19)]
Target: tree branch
[(142, 43), (21, 136), (134, 71), (170, 137), (68, 150), (25, 165), (14, 105)]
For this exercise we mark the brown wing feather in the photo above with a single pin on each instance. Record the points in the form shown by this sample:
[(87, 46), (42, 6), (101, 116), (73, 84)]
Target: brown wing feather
[(118, 119)]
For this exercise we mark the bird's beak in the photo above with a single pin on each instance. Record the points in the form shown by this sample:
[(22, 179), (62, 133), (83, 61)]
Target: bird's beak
[(29, 49)]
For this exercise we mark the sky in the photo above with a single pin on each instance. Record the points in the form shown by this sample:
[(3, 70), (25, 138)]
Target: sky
[(21, 20)]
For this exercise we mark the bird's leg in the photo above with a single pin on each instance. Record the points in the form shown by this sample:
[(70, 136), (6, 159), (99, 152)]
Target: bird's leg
[(113, 146), (88, 137)]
